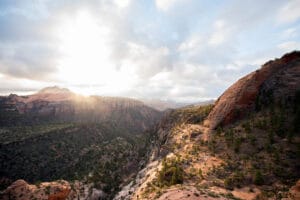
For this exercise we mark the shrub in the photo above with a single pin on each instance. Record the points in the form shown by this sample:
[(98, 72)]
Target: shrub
[(229, 137), (271, 137), (258, 178), (237, 144), (47, 190), (212, 145), (229, 183), (200, 173), (235, 180), (171, 173), (247, 127), (219, 130)]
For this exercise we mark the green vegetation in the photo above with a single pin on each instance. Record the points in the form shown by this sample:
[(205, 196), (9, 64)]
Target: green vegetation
[(190, 115), (261, 149), (72, 151), (20, 133), (171, 172), (258, 178), (235, 180)]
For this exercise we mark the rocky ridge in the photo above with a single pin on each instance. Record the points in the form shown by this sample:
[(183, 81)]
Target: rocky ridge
[(279, 78)]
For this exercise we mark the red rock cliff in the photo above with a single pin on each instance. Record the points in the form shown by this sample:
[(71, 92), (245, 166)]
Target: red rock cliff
[(240, 98)]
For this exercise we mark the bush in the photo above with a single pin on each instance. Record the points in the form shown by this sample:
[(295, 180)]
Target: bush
[(237, 144), (235, 180), (229, 136), (171, 173), (247, 127), (229, 183), (200, 173), (258, 178), (219, 130), (47, 190)]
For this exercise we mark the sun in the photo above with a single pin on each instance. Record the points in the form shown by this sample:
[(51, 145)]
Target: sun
[(86, 61)]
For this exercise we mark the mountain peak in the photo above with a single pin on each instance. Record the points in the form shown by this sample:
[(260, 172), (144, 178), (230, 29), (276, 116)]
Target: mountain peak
[(54, 90)]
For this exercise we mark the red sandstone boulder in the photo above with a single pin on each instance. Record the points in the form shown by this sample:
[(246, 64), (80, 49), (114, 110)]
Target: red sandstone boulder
[(21, 190)]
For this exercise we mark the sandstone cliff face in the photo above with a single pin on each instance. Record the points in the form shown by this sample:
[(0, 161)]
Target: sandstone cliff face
[(280, 78)]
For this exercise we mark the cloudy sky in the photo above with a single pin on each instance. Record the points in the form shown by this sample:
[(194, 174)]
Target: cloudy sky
[(182, 50)]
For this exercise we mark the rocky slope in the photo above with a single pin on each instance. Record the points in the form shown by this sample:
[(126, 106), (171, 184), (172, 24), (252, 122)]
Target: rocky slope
[(246, 147), (279, 78), (56, 134)]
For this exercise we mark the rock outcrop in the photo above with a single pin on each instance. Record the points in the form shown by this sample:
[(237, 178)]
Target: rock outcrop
[(21, 190), (294, 192), (242, 97), (55, 190)]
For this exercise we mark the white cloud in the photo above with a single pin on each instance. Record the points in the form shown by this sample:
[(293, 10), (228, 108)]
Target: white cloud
[(290, 12), (220, 34), (20, 86), (190, 43), (289, 33), (165, 5), (289, 46), (146, 61), (122, 3)]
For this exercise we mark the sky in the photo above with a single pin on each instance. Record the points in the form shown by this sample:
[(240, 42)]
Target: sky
[(179, 50)]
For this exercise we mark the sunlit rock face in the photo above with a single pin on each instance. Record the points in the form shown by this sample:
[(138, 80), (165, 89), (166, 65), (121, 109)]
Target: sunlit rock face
[(253, 89)]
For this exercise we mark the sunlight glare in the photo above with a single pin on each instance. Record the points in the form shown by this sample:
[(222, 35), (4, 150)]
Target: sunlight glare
[(86, 61)]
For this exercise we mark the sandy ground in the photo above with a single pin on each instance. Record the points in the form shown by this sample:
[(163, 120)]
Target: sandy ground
[(188, 193)]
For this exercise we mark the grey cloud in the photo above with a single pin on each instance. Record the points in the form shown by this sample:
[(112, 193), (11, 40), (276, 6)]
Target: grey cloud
[(29, 61), (27, 49)]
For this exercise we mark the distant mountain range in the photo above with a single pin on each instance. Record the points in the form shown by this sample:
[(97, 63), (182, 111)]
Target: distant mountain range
[(165, 105), (54, 104)]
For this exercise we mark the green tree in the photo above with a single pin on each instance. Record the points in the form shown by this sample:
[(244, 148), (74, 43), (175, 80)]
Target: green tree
[(258, 178)]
